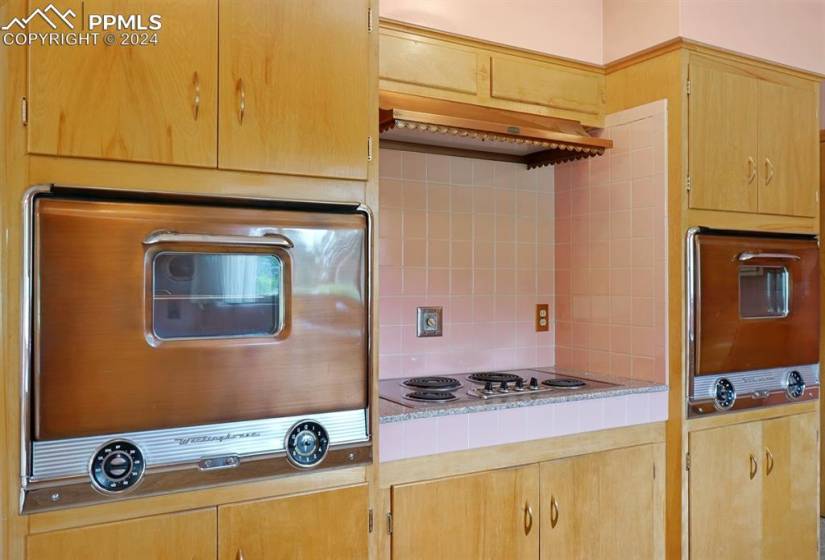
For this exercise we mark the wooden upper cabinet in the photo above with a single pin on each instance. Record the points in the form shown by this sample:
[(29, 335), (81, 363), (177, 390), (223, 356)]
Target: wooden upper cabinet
[(599, 506), (419, 63), (330, 524), (788, 149), (151, 103), (546, 85), (726, 492), (295, 87), (489, 515), (190, 535), (722, 151), (789, 512)]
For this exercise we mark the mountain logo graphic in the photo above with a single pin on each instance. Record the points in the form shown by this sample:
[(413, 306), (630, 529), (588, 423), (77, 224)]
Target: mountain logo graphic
[(56, 15)]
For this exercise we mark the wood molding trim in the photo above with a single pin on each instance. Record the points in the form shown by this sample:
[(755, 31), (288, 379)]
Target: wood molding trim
[(822, 135)]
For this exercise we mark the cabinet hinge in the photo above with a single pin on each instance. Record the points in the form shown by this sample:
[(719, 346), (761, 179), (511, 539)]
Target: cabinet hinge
[(389, 523), (24, 111), (369, 20), (687, 87), (816, 195), (687, 461), (688, 184), (369, 148), (370, 520)]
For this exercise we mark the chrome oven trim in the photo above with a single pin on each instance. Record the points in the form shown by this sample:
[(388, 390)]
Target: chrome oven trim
[(690, 307), (31, 491)]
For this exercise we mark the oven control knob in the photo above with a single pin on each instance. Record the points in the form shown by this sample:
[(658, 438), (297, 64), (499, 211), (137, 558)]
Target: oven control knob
[(306, 443), (795, 385), (724, 395), (116, 466)]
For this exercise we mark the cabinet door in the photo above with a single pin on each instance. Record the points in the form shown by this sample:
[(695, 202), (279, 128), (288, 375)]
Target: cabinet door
[(599, 505), (726, 492), (189, 535), (295, 87), (330, 524), (488, 515), (151, 102), (722, 136), (788, 149), (789, 513)]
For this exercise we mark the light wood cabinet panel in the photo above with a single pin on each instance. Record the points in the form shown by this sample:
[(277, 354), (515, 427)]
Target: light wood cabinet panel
[(722, 143), (191, 535), (331, 524), (726, 492), (408, 60), (547, 85), (151, 103), (488, 515), (788, 149), (599, 506), (789, 516), (294, 87)]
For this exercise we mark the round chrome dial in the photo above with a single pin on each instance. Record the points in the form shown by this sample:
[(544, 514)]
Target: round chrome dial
[(724, 395), (795, 385), (306, 444), (116, 466)]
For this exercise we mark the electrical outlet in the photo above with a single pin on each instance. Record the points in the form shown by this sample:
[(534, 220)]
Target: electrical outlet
[(542, 317), (430, 320)]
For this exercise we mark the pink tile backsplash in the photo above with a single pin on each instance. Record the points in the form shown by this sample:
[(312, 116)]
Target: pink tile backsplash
[(477, 238), (610, 252)]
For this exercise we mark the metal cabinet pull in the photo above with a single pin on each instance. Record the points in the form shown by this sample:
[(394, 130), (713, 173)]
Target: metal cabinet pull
[(768, 171), (554, 512), (267, 239), (754, 467), (241, 101), (751, 170), (768, 462), (196, 102), (240, 554), (528, 518), (747, 255)]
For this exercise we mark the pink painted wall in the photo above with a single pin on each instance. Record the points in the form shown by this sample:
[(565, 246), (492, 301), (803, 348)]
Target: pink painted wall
[(567, 28), (788, 31), (633, 25), (610, 252), (476, 238)]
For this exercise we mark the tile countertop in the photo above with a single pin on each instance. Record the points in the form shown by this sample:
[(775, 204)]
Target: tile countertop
[(391, 412), (408, 433)]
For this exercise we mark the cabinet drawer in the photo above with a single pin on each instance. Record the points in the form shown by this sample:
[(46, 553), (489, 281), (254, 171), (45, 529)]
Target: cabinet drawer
[(546, 85), (191, 535), (426, 64)]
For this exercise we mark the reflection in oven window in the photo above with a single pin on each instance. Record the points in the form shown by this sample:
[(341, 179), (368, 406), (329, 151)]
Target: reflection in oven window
[(763, 292), (205, 295)]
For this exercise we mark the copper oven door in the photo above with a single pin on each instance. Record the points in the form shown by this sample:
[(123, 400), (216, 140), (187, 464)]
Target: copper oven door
[(757, 303), (153, 316)]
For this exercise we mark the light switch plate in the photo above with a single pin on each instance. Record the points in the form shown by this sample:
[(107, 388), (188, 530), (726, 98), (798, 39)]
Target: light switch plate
[(430, 321)]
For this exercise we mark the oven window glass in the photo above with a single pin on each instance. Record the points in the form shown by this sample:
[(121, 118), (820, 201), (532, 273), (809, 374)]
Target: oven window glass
[(763, 292), (215, 295)]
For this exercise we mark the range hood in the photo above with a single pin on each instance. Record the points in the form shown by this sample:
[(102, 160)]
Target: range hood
[(423, 124)]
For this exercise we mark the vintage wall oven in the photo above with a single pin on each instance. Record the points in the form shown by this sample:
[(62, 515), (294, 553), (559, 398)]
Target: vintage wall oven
[(174, 342)]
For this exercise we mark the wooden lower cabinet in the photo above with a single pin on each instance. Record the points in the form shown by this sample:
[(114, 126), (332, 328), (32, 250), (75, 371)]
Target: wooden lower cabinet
[(191, 535), (753, 490), (599, 505), (494, 514), (331, 524)]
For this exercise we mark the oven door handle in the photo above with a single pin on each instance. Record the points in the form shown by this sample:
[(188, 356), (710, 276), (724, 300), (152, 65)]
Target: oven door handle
[(268, 239), (747, 255)]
